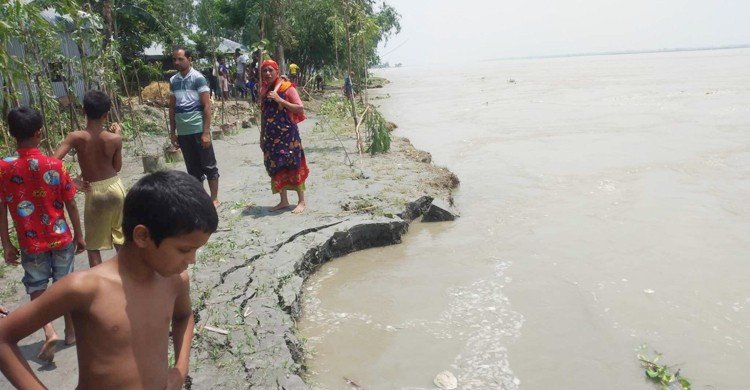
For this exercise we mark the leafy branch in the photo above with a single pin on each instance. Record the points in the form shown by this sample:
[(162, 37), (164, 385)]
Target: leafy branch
[(662, 374)]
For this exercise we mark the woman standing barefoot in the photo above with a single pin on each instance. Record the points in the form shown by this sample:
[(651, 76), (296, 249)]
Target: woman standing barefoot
[(280, 141)]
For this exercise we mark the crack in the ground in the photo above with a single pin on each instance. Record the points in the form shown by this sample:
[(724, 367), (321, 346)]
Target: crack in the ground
[(306, 231), (223, 276), (226, 273)]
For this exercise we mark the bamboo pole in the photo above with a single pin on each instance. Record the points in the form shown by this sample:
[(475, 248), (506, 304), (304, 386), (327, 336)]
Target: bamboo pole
[(138, 84), (345, 3), (261, 122), (74, 125), (364, 64)]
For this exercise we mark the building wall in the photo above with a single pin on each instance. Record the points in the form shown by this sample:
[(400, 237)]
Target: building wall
[(69, 49)]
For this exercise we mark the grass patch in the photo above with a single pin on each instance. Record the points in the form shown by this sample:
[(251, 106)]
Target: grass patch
[(9, 290)]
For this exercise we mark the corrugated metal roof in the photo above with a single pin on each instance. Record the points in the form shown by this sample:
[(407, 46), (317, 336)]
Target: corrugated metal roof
[(225, 46), (54, 18)]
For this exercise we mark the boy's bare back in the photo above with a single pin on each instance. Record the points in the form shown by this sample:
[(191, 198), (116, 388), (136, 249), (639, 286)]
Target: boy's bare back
[(99, 153)]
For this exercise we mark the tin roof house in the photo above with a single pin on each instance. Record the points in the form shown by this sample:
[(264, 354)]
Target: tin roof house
[(60, 78)]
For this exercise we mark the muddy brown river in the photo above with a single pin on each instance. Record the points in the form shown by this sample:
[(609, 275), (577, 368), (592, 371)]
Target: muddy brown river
[(605, 205)]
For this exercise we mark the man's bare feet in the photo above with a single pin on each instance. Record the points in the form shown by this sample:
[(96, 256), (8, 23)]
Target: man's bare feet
[(47, 353), (280, 206), (70, 339), (299, 209)]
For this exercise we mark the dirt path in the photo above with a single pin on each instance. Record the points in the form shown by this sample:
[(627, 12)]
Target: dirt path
[(248, 278)]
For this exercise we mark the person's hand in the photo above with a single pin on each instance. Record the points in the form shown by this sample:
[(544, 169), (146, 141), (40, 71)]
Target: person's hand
[(80, 243), (115, 128), (81, 185), (173, 138), (11, 255), (206, 140), (275, 96), (175, 381)]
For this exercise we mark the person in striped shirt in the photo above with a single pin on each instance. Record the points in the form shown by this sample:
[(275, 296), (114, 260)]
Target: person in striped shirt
[(190, 121)]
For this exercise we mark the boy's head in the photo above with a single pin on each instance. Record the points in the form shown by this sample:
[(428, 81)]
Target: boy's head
[(96, 104), (169, 215), (25, 123)]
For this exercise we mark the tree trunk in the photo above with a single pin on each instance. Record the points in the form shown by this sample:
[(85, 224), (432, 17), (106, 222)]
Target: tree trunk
[(280, 58), (107, 16)]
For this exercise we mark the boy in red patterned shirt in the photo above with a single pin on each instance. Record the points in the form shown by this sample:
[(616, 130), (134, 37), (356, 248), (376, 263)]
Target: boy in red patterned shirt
[(35, 189)]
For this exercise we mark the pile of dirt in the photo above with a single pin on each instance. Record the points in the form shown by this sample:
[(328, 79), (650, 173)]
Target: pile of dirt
[(156, 93)]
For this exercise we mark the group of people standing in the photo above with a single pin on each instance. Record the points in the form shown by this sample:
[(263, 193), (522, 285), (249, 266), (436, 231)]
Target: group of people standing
[(115, 310), (280, 141)]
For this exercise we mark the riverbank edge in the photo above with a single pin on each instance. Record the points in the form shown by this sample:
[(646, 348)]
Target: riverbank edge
[(268, 349), (246, 286)]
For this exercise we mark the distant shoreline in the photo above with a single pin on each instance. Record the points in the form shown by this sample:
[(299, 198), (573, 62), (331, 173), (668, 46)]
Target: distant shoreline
[(614, 53)]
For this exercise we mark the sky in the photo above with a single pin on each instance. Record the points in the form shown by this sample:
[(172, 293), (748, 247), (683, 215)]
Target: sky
[(435, 31)]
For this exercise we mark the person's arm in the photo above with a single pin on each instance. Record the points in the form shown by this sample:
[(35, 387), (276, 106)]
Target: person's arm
[(10, 252), (68, 294), (76, 221), (172, 123), (206, 102), (182, 334), (293, 104), (117, 158), (64, 147)]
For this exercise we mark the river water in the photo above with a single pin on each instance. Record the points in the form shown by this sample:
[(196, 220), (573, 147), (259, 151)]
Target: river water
[(605, 205)]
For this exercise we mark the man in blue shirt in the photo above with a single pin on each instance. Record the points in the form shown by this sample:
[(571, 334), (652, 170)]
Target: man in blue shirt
[(190, 121)]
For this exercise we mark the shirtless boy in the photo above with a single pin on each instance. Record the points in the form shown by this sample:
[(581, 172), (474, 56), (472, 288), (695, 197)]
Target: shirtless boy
[(122, 309), (100, 157)]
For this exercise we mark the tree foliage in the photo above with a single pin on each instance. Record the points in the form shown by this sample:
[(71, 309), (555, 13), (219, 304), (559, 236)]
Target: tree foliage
[(312, 33)]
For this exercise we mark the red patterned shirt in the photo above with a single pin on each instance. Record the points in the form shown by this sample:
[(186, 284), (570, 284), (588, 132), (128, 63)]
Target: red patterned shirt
[(34, 188)]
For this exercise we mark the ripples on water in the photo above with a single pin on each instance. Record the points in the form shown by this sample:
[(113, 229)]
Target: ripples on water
[(613, 190)]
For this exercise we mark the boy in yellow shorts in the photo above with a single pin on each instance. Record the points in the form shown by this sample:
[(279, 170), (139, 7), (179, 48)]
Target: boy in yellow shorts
[(100, 158)]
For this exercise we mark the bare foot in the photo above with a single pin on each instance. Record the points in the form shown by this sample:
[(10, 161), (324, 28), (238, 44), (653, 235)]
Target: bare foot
[(299, 209), (70, 339), (280, 206), (47, 353), (216, 203)]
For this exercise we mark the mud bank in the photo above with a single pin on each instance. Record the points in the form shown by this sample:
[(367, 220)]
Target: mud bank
[(247, 282)]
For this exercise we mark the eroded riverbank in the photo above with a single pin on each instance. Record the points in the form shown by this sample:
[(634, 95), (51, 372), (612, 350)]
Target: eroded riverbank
[(247, 279)]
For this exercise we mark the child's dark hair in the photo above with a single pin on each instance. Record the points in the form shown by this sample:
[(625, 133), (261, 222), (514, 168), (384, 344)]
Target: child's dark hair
[(96, 104), (23, 122), (169, 204)]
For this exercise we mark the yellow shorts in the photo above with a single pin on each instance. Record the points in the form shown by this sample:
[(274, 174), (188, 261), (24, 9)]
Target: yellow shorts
[(102, 218)]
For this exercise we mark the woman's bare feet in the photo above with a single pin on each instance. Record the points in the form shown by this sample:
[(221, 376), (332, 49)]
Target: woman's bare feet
[(70, 339), (299, 209), (280, 206), (47, 353)]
